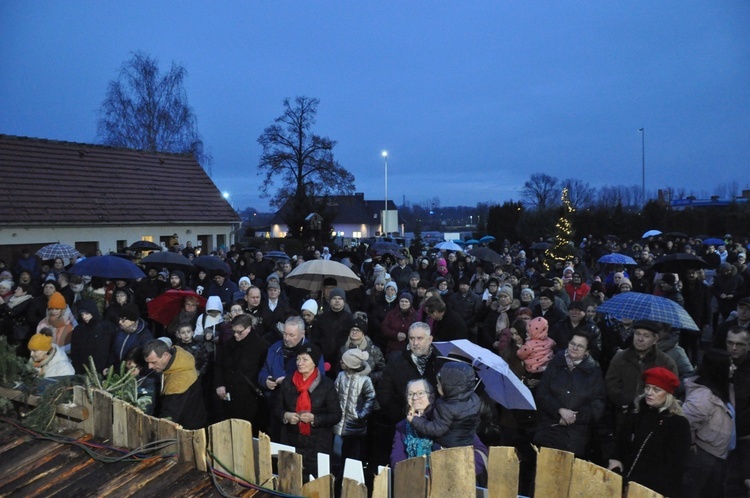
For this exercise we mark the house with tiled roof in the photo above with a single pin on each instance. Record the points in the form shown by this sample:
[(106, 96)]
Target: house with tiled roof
[(353, 217), (95, 197)]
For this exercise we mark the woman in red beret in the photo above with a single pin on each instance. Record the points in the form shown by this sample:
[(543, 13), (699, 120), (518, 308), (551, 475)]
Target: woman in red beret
[(653, 443)]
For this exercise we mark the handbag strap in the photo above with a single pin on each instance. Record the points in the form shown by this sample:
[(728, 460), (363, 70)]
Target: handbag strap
[(635, 461)]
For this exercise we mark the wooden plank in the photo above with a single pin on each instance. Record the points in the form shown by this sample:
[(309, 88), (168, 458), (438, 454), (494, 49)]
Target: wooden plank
[(554, 469), (452, 472), (322, 487), (502, 472), (220, 445), (591, 480), (119, 423), (636, 490), (290, 473), (71, 411), (265, 461), (409, 478), (103, 410), (199, 450), (166, 429), (353, 489), (81, 399), (185, 447), (135, 418), (381, 484), (243, 453)]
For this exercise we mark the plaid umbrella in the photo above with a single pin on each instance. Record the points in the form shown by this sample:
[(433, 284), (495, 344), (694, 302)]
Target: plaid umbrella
[(639, 306), (107, 267), (310, 274), (52, 251), (617, 259), (500, 383)]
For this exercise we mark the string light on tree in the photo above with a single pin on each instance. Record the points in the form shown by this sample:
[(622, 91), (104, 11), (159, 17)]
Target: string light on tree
[(563, 248)]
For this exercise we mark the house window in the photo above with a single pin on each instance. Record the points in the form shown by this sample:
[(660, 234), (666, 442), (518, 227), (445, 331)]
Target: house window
[(357, 235), (221, 240), (121, 245)]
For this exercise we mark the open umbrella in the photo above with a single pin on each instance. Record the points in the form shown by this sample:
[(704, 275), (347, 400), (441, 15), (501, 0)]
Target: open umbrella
[(617, 259), (52, 251), (487, 254), (211, 263), (472, 241), (459, 242), (277, 255), (678, 262), (164, 307), (676, 235), (449, 246), (540, 246), (500, 383), (144, 245), (640, 306), (713, 242), (381, 248), (487, 239), (310, 274), (651, 233), (107, 267), (167, 259)]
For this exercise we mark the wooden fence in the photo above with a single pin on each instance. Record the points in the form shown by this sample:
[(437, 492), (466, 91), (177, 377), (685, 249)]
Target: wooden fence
[(228, 446)]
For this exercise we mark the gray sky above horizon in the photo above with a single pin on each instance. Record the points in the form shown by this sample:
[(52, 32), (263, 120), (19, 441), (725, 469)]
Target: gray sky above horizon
[(469, 99)]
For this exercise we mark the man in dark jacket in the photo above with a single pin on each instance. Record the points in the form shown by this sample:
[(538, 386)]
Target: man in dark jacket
[(92, 337), (181, 394), (132, 333), (224, 288), (333, 328), (562, 331), (447, 325), (697, 296), (738, 462), (465, 303)]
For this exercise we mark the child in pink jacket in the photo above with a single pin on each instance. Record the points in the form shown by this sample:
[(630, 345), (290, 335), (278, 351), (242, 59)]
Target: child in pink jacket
[(537, 350)]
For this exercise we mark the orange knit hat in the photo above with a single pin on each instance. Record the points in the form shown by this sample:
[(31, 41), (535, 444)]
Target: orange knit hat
[(56, 302)]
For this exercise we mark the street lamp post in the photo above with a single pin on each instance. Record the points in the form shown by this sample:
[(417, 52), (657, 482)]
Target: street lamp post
[(643, 163), (385, 204)]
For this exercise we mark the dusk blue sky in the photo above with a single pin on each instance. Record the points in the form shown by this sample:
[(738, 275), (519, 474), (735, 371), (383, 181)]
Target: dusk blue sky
[(469, 98)]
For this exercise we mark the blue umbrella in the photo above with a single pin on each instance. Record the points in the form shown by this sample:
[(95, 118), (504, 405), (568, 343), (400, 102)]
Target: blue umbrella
[(486, 239), (449, 246), (617, 259), (277, 255), (640, 306), (107, 267), (53, 251), (459, 242), (472, 241), (713, 242)]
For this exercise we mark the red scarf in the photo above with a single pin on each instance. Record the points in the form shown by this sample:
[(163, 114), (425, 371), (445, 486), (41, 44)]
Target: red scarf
[(304, 404)]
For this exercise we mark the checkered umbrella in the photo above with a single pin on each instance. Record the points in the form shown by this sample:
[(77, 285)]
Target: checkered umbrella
[(617, 259), (52, 251), (639, 306)]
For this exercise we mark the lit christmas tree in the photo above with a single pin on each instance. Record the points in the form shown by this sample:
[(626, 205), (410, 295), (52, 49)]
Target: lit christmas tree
[(562, 248)]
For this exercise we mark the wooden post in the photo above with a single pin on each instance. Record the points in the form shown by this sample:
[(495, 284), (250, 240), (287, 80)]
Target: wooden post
[(265, 461), (220, 444), (636, 490), (322, 487), (103, 410), (243, 453), (452, 472), (199, 450), (502, 472), (353, 489), (290, 473), (135, 427), (119, 423), (166, 429), (553, 473), (409, 478), (381, 484), (81, 399), (591, 480)]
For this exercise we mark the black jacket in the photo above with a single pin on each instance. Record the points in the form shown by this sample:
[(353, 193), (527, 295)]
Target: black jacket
[(237, 366), (451, 327), (94, 339), (399, 370)]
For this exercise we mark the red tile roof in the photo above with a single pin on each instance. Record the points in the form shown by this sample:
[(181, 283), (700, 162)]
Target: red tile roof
[(49, 182)]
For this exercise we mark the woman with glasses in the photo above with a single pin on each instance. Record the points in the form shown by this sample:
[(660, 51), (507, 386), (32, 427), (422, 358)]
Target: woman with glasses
[(653, 443), (407, 443), (570, 398)]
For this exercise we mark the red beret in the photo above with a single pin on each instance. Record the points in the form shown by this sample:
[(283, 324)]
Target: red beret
[(661, 377)]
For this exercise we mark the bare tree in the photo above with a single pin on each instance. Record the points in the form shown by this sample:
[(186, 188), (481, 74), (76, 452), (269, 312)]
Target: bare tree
[(541, 191), (146, 110), (301, 161), (580, 194)]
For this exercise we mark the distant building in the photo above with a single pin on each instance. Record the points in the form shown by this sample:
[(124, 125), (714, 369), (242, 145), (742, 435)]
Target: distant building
[(95, 197), (693, 202), (354, 218)]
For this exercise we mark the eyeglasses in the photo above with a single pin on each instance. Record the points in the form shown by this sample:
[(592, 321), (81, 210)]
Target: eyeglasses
[(575, 345), (238, 332), (417, 395)]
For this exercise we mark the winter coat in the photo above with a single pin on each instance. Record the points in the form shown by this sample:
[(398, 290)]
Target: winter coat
[(664, 439), (57, 364), (62, 328), (357, 401), (581, 390), (376, 359), (181, 392), (332, 329), (94, 339), (455, 417), (275, 365), (466, 306), (125, 342), (697, 302), (238, 364), (671, 348), (451, 327), (623, 379), (399, 370), (207, 324), (537, 351), (396, 321), (711, 423), (562, 332), (326, 410)]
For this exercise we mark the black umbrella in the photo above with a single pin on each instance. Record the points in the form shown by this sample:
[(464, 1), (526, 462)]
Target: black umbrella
[(487, 254), (540, 246), (167, 259), (678, 235), (678, 262), (144, 245), (211, 263)]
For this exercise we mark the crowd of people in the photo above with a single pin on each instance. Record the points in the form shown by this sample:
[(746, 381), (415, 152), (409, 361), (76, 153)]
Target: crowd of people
[(355, 373)]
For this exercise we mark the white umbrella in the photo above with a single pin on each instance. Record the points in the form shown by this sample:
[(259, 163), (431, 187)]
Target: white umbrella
[(449, 245), (310, 275), (651, 233)]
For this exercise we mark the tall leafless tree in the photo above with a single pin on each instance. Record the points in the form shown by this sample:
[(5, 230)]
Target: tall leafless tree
[(541, 191), (147, 110)]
